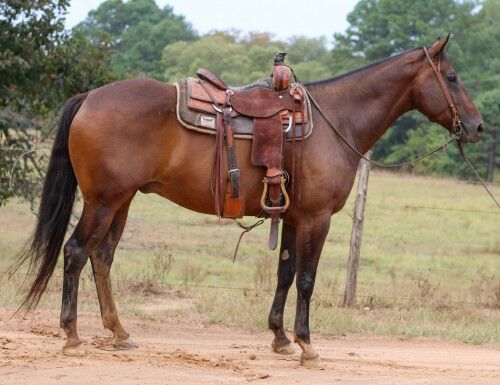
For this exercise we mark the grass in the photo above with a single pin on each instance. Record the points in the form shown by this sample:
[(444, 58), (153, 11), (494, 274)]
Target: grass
[(423, 271)]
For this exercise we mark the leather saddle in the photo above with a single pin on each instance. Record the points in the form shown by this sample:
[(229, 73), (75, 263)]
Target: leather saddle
[(270, 111)]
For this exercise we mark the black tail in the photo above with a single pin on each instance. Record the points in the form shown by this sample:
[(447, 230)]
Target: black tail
[(58, 196)]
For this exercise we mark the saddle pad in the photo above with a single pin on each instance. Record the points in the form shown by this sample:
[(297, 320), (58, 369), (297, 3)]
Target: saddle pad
[(204, 122)]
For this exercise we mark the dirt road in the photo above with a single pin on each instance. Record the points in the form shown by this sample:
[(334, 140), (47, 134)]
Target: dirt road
[(180, 351)]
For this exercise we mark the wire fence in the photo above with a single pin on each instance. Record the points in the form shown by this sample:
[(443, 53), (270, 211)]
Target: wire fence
[(339, 265), (367, 236), (319, 294)]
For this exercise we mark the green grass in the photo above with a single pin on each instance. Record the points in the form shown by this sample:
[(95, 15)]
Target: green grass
[(423, 272)]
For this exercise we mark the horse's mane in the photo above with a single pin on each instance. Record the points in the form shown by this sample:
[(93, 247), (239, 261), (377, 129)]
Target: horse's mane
[(361, 69)]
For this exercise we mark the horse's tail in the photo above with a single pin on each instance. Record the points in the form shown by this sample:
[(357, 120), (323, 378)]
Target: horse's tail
[(58, 196)]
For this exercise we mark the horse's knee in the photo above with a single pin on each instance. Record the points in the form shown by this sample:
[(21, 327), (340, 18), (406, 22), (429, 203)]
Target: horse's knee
[(286, 275), (305, 284)]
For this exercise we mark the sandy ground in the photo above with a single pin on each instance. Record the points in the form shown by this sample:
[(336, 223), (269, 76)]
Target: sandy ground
[(179, 351)]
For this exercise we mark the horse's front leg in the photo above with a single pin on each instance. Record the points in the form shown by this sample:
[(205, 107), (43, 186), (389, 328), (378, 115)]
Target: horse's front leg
[(311, 233), (286, 273)]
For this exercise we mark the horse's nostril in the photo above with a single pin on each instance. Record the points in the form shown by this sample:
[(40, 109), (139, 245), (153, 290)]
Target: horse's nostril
[(480, 128)]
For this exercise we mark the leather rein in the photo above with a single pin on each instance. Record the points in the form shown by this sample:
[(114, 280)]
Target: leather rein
[(456, 124), (456, 128)]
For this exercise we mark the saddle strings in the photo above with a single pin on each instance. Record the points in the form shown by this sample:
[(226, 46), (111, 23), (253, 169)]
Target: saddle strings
[(246, 229)]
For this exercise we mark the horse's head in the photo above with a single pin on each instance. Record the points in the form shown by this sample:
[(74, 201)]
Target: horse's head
[(430, 98)]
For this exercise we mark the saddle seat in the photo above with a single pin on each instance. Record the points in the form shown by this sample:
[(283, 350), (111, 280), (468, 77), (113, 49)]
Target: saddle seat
[(256, 100)]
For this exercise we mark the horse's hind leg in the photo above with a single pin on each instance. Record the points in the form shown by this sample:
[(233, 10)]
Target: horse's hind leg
[(101, 259), (93, 225), (286, 273)]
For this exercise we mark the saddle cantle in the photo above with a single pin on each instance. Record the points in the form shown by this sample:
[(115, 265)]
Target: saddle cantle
[(269, 111)]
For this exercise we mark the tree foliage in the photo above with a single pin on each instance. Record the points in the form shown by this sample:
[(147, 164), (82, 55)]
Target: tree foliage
[(242, 59), (41, 65), (139, 30)]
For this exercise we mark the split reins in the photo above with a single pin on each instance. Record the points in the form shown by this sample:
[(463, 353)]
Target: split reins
[(456, 126)]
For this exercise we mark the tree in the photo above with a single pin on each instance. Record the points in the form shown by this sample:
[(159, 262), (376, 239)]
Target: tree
[(41, 65), (139, 30), (237, 60), (480, 68), (310, 58), (241, 59), (489, 104), (381, 28)]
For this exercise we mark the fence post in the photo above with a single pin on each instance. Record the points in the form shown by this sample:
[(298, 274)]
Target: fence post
[(357, 232)]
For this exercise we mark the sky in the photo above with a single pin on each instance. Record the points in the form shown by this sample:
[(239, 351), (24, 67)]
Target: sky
[(283, 18)]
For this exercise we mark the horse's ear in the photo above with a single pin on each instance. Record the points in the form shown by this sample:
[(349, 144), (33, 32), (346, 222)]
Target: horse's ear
[(439, 45)]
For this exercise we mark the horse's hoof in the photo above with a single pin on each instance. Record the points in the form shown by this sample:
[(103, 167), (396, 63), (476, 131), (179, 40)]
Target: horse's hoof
[(124, 345), (310, 360), (74, 350), (115, 344), (285, 348)]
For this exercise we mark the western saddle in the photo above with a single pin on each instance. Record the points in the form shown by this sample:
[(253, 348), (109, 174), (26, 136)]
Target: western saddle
[(275, 108)]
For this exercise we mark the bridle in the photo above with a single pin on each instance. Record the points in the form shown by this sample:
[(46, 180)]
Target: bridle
[(456, 128), (456, 124)]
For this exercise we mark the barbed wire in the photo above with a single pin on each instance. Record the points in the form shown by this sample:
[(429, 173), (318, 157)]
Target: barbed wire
[(335, 234), (373, 297), (270, 293)]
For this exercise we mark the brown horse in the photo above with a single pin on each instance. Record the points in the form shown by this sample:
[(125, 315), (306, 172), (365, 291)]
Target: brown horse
[(125, 137)]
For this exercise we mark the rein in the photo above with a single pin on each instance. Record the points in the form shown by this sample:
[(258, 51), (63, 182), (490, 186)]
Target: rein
[(456, 127)]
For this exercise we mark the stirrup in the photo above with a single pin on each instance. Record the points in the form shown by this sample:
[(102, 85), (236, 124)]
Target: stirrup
[(274, 209)]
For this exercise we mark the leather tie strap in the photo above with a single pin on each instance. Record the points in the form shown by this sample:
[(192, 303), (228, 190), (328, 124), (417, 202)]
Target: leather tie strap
[(224, 134), (234, 171), (217, 182)]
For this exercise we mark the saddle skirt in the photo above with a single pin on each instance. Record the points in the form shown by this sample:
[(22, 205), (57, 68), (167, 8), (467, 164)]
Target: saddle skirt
[(195, 110)]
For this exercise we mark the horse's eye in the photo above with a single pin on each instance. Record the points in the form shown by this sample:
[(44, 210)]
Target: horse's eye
[(452, 78)]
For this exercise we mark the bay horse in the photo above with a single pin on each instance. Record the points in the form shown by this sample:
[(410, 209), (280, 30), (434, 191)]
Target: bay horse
[(125, 137)]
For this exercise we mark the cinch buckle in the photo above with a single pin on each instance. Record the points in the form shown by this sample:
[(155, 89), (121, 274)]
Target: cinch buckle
[(235, 170)]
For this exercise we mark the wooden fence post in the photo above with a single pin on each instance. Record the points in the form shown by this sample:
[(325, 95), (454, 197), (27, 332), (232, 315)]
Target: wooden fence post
[(357, 232)]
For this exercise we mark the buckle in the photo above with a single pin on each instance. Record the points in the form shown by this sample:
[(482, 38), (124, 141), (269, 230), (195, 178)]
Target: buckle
[(285, 131), (233, 170), (216, 108)]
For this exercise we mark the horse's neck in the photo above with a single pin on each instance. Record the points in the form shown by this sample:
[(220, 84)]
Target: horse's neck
[(363, 104)]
